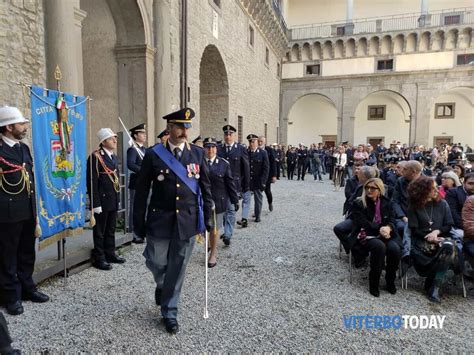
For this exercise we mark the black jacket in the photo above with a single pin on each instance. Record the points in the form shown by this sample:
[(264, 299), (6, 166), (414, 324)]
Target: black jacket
[(239, 164), (134, 163), (455, 199), (272, 163), (20, 207), (222, 184), (104, 194), (259, 169), (173, 208), (400, 198)]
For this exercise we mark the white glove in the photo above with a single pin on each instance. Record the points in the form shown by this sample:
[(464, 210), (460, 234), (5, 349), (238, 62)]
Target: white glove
[(97, 210)]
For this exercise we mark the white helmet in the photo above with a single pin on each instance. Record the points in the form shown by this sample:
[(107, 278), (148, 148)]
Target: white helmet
[(11, 115), (105, 133)]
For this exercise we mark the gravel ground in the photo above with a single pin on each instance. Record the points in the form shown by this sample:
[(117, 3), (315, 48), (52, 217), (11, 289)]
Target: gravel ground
[(280, 287)]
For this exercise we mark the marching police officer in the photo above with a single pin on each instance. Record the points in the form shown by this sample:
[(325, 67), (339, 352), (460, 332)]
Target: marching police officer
[(272, 174), (179, 177), (259, 171), (17, 214), (103, 187), (135, 156), (302, 153), (236, 154), (163, 136), (224, 192)]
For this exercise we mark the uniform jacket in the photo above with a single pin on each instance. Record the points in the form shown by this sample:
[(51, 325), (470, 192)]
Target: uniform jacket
[(104, 194), (21, 207), (455, 199), (222, 184), (272, 163), (259, 169), (291, 157), (239, 164), (134, 163), (173, 209), (302, 155)]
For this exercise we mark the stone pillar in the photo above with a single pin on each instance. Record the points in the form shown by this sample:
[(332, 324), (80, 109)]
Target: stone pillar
[(349, 7), (79, 16), (424, 7), (62, 44)]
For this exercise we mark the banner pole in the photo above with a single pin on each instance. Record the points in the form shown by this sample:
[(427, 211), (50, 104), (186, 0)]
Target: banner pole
[(65, 260)]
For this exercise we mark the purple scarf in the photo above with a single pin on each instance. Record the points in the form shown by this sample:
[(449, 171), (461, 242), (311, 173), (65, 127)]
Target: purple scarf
[(378, 212)]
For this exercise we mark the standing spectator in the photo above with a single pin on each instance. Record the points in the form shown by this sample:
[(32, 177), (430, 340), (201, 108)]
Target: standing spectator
[(291, 159), (302, 155)]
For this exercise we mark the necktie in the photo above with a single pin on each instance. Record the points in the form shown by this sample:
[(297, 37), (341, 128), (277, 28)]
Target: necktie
[(228, 149), (177, 153), (209, 162), (17, 148)]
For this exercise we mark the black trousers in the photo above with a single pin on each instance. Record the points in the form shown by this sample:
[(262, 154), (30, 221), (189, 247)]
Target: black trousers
[(17, 259), (104, 235), (278, 164), (268, 192), (5, 340), (291, 170), (301, 169)]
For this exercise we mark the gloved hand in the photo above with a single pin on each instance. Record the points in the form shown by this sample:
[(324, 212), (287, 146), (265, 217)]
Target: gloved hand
[(210, 224), (236, 206), (97, 210)]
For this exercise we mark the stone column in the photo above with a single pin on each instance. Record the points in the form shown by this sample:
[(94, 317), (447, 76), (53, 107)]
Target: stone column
[(424, 7), (79, 16), (62, 44), (349, 8)]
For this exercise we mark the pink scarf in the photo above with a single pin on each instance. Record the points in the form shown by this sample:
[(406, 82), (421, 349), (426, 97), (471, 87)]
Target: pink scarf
[(378, 212)]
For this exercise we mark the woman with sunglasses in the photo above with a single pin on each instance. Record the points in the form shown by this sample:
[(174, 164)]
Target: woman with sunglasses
[(430, 220), (374, 227)]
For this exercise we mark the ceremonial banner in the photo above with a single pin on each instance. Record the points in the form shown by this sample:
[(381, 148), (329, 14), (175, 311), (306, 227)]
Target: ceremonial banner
[(59, 149)]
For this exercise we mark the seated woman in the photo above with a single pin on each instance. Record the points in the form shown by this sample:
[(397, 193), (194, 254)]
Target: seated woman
[(430, 220), (449, 180), (374, 228), (468, 225)]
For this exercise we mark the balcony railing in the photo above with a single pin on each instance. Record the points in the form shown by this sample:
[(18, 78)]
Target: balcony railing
[(459, 16)]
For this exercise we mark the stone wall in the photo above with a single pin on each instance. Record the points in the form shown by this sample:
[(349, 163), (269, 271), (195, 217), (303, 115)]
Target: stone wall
[(22, 53)]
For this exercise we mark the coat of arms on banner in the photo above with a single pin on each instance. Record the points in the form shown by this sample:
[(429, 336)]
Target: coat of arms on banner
[(62, 162)]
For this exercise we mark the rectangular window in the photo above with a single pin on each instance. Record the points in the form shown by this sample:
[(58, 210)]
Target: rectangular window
[(267, 56), (465, 59), (444, 110), (386, 64), (265, 130), (452, 20), (240, 128), (340, 31), (278, 69), (376, 112), (251, 36), (313, 69)]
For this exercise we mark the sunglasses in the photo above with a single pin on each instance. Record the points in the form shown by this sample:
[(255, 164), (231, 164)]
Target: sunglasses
[(371, 188)]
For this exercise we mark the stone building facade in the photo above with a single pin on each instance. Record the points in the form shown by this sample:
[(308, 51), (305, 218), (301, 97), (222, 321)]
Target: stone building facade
[(133, 56)]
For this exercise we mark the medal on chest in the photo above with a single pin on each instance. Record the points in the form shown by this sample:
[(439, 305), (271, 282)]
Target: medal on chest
[(193, 170)]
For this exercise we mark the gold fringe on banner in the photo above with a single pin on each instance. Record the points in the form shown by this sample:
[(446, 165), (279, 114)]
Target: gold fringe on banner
[(64, 234)]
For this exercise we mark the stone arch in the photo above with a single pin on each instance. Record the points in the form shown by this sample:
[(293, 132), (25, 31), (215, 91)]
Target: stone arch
[(438, 41), (425, 40), (395, 125), (311, 119), (451, 39), (339, 49), (461, 126), (398, 43), (386, 46), (374, 46), (362, 47), (118, 62), (350, 47), (286, 57), (317, 51), (327, 50), (295, 53), (465, 38), (213, 93), (306, 52), (412, 40)]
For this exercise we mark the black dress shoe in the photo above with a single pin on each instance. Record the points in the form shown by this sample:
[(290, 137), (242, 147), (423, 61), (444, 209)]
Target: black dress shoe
[(102, 265), (36, 297), (115, 259), (226, 241), (138, 240), (391, 288), (171, 325), (211, 265), (157, 296), (258, 219), (244, 223), (15, 308), (270, 207)]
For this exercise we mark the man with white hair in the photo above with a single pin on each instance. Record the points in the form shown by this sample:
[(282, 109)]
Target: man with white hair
[(103, 187), (17, 214)]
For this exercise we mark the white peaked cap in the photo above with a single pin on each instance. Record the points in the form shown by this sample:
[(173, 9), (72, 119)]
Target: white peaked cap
[(11, 115), (105, 133)]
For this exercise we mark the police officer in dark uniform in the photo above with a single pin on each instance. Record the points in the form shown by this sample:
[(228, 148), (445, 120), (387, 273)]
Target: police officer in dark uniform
[(272, 174), (291, 159), (17, 214), (237, 156), (302, 155), (223, 190), (135, 156), (103, 187), (198, 141), (178, 175), (163, 136), (259, 171)]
